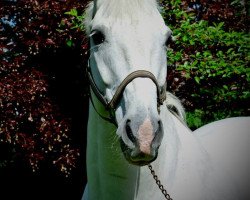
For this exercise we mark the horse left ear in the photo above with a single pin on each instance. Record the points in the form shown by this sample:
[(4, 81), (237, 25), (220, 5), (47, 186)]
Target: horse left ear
[(171, 40)]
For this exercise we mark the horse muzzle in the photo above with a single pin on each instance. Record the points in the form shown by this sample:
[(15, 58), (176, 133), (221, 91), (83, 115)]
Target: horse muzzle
[(146, 142)]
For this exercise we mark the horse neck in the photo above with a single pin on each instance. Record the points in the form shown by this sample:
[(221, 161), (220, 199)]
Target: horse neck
[(190, 165), (164, 166), (109, 174), (181, 164)]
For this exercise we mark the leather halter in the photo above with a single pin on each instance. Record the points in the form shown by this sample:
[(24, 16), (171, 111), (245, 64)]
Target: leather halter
[(111, 106)]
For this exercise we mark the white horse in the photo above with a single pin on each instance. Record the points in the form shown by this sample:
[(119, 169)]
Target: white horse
[(130, 125)]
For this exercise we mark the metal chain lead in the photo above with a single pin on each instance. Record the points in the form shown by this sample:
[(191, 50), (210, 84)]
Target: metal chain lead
[(158, 182)]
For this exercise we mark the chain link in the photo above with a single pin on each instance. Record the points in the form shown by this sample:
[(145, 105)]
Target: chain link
[(158, 183)]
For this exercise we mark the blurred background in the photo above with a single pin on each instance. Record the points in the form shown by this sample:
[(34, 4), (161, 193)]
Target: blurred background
[(43, 89)]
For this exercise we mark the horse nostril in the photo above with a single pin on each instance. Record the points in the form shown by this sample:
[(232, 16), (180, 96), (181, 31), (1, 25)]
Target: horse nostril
[(129, 132), (159, 126), (158, 133)]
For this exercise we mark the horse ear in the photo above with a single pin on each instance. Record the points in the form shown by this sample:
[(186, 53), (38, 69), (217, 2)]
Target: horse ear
[(172, 39), (94, 9)]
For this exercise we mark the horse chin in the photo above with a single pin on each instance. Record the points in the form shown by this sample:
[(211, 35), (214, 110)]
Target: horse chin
[(136, 157)]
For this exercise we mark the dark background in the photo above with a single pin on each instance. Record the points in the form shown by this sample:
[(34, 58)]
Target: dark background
[(43, 92)]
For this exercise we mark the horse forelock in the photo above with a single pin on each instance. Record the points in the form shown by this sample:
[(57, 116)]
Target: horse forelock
[(118, 9)]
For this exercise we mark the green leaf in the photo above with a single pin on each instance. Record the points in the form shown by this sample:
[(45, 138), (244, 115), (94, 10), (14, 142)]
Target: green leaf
[(225, 87), (191, 42), (197, 79), (184, 38), (69, 43), (72, 12)]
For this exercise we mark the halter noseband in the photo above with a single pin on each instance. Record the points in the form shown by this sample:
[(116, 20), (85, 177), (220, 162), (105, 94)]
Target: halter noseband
[(112, 105)]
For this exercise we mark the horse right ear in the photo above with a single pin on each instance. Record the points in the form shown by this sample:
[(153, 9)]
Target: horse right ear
[(94, 9), (171, 40)]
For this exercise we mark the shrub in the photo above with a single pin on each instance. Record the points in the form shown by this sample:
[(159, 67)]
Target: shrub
[(37, 48), (209, 60)]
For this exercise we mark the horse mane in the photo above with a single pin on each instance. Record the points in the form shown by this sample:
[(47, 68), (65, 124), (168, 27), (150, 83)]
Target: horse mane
[(125, 9)]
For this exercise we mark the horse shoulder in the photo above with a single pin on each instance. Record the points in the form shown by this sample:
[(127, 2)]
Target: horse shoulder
[(231, 135), (227, 143), (190, 168)]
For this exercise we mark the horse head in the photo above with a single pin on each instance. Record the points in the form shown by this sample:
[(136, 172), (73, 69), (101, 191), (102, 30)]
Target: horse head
[(124, 42)]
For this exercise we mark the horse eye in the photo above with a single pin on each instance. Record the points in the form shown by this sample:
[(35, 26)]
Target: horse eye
[(98, 37)]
